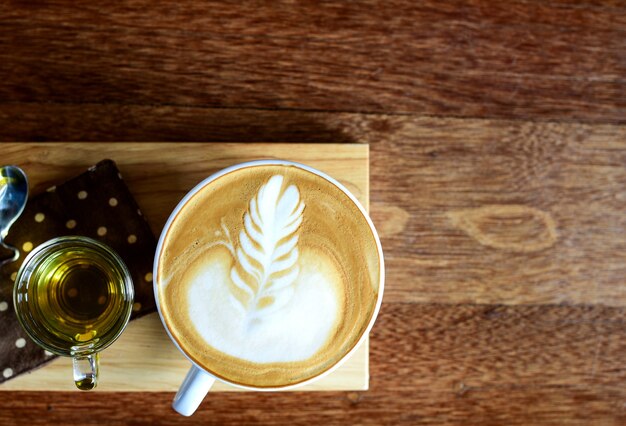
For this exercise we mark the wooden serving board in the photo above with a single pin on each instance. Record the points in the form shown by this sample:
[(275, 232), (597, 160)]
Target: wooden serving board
[(159, 175)]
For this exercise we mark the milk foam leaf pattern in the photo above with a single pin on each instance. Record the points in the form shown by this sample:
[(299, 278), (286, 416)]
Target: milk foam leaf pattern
[(266, 258)]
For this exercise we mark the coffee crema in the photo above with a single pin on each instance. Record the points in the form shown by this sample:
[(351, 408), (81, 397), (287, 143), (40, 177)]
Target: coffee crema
[(268, 276)]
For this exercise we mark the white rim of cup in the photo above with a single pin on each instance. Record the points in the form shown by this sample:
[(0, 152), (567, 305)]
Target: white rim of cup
[(211, 178)]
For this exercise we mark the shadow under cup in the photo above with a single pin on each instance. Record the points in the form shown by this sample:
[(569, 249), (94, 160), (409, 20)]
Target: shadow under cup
[(268, 274)]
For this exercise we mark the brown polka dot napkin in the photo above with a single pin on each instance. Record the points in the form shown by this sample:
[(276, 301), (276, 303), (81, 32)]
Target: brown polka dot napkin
[(96, 204)]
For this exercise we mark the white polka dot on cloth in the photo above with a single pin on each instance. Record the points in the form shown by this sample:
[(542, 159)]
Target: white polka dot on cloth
[(70, 224), (82, 195), (148, 276), (4, 306), (132, 239), (48, 353), (112, 201), (139, 212), (27, 246), (13, 276), (7, 372), (20, 343), (102, 231), (119, 175), (39, 217)]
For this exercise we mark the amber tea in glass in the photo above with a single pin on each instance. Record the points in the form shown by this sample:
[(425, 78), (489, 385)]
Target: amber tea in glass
[(74, 296)]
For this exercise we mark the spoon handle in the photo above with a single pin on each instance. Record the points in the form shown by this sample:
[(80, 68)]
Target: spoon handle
[(16, 253)]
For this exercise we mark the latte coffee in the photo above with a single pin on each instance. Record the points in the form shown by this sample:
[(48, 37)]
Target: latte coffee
[(268, 275)]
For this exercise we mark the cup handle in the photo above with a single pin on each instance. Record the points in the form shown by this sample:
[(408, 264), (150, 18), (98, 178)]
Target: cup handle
[(196, 385), (85, 371)]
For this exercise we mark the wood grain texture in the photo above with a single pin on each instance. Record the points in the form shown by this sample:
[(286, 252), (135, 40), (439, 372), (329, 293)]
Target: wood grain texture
[(502, 212), (431, 364), (511, 192), (463, 58), (158, 182), (478, 211), (144, 359)]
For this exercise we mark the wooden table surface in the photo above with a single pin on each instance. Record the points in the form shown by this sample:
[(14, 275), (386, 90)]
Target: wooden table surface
[(498, 180)]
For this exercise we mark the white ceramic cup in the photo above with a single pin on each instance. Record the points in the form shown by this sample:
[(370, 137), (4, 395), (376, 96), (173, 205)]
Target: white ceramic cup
[(198, 381)]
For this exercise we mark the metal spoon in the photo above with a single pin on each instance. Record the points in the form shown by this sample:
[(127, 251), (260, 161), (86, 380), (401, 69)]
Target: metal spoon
[(13, 196)]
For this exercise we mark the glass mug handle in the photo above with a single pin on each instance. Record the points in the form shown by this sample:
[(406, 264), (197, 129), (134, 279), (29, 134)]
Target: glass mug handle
[(85, 370), (196, 385)]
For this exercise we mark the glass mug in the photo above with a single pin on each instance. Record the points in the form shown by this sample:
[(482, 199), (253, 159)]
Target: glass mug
[(199, 379), (73, 296)]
